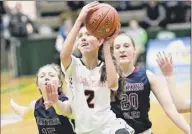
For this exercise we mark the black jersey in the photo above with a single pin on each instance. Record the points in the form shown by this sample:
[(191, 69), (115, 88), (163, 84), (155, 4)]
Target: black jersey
[(133, 106), (49, 122)]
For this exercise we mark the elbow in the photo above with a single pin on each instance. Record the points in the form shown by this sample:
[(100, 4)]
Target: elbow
[(183, 109), (64, 56)]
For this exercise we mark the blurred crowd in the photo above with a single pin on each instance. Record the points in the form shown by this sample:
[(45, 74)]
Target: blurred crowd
[(15, 23)]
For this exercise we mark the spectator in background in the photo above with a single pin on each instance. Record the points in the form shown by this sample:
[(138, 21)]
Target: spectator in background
[(139, 36), (175, 11), (20, 25), (155, 15), (187, 6), (75, 5), (64, 29)]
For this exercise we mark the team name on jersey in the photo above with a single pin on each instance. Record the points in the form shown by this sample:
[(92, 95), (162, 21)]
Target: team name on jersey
[(49, 122), (134, 86), (131, 115), (90, 83)]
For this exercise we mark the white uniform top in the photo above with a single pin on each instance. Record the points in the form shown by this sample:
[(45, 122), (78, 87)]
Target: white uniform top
[(89, 98)]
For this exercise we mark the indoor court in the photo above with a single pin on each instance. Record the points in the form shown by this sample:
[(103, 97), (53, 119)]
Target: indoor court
[(38, 40), (22, 90)]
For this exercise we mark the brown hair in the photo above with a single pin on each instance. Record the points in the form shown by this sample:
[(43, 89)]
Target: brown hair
[(121, 81), (59, 74)]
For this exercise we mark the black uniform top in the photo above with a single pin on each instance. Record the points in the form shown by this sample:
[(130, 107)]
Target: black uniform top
[(49, 122), (133, 106)]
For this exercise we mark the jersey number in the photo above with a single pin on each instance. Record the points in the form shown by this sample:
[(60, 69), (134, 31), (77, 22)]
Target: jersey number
[(129, 101), (48, 131), (90, 94)]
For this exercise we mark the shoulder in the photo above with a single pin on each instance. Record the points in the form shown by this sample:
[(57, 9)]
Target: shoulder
[(32, 104), (151, 76)]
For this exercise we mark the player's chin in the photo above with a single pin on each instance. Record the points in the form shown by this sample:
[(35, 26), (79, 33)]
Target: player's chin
[(123, 61)]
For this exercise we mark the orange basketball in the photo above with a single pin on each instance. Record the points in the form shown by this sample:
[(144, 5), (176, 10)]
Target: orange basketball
[(102, 22)]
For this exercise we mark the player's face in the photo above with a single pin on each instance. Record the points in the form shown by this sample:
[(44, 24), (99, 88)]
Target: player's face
[(47, 75), (87, 42), (124, 51)]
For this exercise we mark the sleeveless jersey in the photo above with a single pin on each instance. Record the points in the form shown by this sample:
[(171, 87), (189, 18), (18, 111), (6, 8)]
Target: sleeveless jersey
[(134, 104), (49, 122), (89, 98)]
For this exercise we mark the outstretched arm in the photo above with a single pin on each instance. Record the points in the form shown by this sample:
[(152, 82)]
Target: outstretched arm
[(166, 66), (112, 77), (24, 111), (66, 51), (164, 98)]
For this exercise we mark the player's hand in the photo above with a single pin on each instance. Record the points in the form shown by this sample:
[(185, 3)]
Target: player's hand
[(52, 94), (86, 9), (109, 40), (165, 63)]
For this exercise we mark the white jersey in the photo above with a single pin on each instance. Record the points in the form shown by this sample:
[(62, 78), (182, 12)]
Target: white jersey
[(90, 99)]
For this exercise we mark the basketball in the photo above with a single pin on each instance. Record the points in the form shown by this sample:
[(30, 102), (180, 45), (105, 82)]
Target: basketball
[(102, 22)]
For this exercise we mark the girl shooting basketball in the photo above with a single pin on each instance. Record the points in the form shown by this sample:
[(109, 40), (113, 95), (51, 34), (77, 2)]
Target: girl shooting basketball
[(133, 103), (48, 121), (90, 81)]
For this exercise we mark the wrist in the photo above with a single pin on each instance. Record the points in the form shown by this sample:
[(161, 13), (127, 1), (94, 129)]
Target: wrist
[(56, 103), (106, 46), (79, 21), (169, 76)]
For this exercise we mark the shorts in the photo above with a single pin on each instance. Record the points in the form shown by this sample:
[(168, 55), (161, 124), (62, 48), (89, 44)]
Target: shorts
[(148, 131), (114, 125)]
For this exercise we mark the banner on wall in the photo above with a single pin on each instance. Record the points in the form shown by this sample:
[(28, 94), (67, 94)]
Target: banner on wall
[(179, 48)]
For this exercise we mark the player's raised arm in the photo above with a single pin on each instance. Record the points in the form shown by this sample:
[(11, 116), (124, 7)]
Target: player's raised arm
[(164, 98), (70, 40), (166, 66), (112, 77), (24, 111)]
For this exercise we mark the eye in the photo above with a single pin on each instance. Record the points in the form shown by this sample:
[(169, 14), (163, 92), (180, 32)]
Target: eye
[(52, 75), (88, 34), (126, 45), (117, 46), (41, 76), (80, 35)]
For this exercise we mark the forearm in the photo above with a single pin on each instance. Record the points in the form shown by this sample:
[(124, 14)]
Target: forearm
[(63, 108), (112, 78), (177, 119), (20, 110), (181, 104), (69, 42)]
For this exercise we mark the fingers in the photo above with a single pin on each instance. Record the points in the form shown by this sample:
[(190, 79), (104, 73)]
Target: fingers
[(165, 57), (92, 3), (93, 7), (160, 59)]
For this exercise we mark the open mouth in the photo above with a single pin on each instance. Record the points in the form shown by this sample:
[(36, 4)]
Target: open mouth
[(84, 44), (123, 56), (46, 83)]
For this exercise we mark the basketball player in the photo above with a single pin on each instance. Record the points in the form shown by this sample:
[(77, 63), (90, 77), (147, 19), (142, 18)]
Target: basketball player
[(166, 66), (48, 121), (90, 81), (133, 104)]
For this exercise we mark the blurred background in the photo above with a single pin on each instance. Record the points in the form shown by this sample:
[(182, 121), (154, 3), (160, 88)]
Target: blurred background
[(32, 33)]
